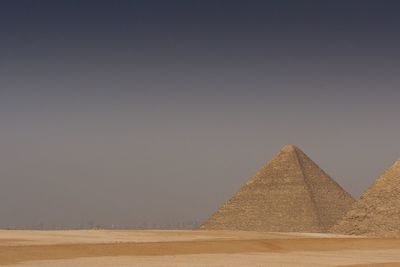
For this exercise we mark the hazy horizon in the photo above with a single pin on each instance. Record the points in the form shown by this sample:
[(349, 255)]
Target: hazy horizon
[(121, 113)]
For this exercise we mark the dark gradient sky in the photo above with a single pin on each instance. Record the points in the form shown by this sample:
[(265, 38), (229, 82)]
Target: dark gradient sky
[(126, 112)]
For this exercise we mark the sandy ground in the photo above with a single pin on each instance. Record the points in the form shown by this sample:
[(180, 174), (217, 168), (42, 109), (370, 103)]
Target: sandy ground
[(121, 248)]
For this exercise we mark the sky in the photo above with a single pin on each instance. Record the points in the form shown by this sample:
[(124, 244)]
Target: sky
[(153, 113)]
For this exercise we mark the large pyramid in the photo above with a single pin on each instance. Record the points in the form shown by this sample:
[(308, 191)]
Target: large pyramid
[(377, 213), (288, 194)]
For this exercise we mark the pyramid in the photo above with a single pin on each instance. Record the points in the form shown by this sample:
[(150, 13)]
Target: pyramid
[(377, 213), (288, 194)]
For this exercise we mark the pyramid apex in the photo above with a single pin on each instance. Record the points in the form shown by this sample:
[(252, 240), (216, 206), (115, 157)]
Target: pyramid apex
[(289, 148), (397, 163)]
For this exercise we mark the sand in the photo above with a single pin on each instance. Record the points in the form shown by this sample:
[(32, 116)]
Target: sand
[(192, 248)]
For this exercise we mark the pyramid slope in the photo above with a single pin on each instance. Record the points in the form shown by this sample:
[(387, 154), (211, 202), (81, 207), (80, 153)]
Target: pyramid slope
[(288, 194), (377, 213)]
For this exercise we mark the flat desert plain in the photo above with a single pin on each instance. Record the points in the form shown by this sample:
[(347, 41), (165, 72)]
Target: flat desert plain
[(191, 248)]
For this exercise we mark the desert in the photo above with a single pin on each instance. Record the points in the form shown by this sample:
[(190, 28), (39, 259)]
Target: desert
[(195, 248), (154, 133), (290, 194)]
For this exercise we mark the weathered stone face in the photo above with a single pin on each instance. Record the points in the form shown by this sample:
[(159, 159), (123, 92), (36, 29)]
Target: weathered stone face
[(377, 213), (289, 194)]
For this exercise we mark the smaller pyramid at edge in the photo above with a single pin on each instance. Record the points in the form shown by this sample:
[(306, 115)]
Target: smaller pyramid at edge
[(377, 213), (288, 194)]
